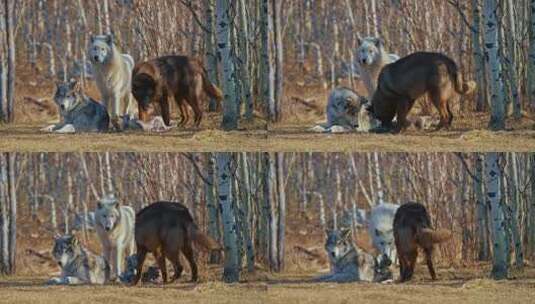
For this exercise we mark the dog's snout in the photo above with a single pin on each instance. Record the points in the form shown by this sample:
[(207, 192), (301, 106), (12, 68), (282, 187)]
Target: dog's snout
[(96, 58), (59, 263), (62, 106)]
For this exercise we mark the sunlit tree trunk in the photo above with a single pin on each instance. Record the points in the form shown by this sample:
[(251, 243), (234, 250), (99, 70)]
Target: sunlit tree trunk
[(531, 63), (492, 45), (494, 198), (481, 212), (224, 180)]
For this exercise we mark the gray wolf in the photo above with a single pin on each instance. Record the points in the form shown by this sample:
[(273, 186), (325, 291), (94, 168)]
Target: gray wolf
[(380, 229), (350, 263), (79, 113), (167, 229), (343, 111), (113, 75), (182, 77), (115, 229), (78, 265), (412, 229), (402, 82), (372, 57)]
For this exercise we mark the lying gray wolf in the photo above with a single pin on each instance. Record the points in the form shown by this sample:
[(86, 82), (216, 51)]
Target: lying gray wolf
[(380, 229), (346, 112), (350, 263), (411, 77), (372, 57), (79, 113), (115, 229), (113, 75), (167, 229), (412, 229), (78, 265)]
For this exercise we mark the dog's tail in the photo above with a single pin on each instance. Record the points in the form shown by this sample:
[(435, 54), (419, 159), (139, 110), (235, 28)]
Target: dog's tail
[(211, 89), (427, 237), (203, 240), (462, 87)]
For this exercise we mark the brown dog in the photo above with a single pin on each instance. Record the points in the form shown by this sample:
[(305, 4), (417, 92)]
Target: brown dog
[(182, 77), (166, 229), (402, 82), (412, 229)]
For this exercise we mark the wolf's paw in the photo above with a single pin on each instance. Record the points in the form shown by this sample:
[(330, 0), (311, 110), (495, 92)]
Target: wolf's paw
[(55, 281), (48, 128), (67, 129), (340, 129), (319, 129)]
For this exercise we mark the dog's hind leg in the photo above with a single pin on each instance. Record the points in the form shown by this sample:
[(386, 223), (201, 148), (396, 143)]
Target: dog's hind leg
[(173, 255), (441, 105), (188, 253), (412, 256), (429, 261), (160, 259)]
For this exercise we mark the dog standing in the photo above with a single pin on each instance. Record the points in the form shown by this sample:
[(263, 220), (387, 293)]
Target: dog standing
[(182, 77), (410, 78), (380, 229), (113, 75), (372, 57), (78, 265), (350, 263), (412, 229), (115, 229), (79, 113), (167, 229)]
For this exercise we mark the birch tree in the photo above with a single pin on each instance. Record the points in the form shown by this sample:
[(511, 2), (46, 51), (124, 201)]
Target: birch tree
[(224, 56), (231, 271), (531, 61), (493, 62), (9, 16), (494, 199)]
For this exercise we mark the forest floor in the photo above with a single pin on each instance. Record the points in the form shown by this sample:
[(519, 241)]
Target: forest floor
[(285, 137), (468, 285)]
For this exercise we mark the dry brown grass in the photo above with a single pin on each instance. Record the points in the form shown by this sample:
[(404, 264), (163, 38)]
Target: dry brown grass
[(454, 286)]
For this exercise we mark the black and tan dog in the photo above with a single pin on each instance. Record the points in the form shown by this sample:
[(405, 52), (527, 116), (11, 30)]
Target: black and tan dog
[(182, 77), (412, 229), (402, 82)]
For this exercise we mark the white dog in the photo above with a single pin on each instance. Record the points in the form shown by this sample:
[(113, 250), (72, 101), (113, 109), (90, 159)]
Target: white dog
[(372, 57), (115, 229), (381, 229), (113, 75)]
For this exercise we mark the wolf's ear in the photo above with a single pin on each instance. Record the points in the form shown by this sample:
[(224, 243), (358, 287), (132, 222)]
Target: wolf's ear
[(109, 39), (99, 205), (345, 233), (378, 232), (74, 84), (359, 38), (92, 39), (379, 42), (328, 231), (57, 236), (74, 241)]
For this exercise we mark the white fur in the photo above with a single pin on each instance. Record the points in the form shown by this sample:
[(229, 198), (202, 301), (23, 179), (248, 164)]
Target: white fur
[(113, 75), (372, 57), (381, 229), (120, 238)]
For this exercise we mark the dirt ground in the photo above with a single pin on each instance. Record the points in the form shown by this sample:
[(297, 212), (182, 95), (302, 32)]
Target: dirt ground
[(453, 286)]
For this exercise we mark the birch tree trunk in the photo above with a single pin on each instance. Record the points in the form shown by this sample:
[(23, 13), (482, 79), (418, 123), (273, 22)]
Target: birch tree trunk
[(210, 49), (281, 197), (224, 179), (9, 7), (515, 203), (211, 206), (531, 63), (279, 60), (4, 219), (494, 198), (267, 73), (481, 212), (492, 45), (224, 55), (479, 60)]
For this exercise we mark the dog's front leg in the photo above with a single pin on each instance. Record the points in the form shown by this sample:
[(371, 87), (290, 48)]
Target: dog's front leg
[(56, 281), (72, 281), (66, 129), (48, 128), (115, 112)]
